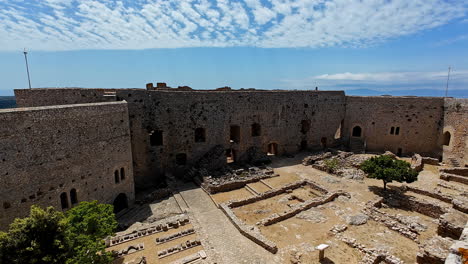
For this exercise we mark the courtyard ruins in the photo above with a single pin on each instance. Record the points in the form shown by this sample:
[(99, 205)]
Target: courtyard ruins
[(281, 212)]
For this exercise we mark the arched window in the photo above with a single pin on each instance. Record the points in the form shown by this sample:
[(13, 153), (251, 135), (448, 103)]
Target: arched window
[(73, 196), (64, 200), (116, 176), (256, 130), (447, 138), (122, 174), (357, 131), (200, 135)]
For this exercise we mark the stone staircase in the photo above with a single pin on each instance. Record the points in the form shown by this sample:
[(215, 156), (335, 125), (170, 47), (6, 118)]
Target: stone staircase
[(356, 145), (454, 162)]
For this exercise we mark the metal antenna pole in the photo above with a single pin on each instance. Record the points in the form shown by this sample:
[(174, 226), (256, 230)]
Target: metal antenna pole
[(448, 77), (27, 66)]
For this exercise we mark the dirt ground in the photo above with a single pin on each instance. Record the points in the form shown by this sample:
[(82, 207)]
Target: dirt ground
[(297, 237)]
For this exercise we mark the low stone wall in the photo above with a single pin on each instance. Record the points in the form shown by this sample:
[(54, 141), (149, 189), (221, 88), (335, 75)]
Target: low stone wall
[(417, 163), (429, 160), (430, 209), (275, 218), (451, 224), (235, 184), (453, 177), (438, 196), (434, 250), (251, 232), (460, 171), (391, 222), (372, 255), (458, 252)]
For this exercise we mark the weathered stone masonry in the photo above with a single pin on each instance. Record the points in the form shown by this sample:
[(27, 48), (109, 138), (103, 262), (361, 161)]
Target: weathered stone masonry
[(84, 146), (60, 155)]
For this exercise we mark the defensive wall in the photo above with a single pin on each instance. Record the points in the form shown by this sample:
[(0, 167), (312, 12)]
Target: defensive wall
[(167, 130), (402, 125), (61, 155)]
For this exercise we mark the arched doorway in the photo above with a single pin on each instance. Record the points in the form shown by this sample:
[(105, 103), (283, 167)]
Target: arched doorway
[(120, 202), (272, 149), (357, 131), (447, 137), (323, 142)]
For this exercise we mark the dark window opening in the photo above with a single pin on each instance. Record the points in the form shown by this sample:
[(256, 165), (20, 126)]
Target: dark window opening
[(392, 130), (122, 173), (230, 156), (73, 196), (156, 138), (6, 205), (357, 131), (235, 134), (399, 152), (200, 135), (305, 126), (397, 131), (181, 159), (64, 200), (120, 202), (256, 130), (304, 145), (272, 149), (116, 176), (447, 138), (323, 142)]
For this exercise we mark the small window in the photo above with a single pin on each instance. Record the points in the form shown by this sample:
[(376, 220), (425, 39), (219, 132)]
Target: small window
[(256, 130), (73, 196), (156, 138), (447, 138), (6, 205), (181, 159), (235, 134), (122, 174), (392, 130), (323, 142), (200, 135), (399, 152), (305, 126), (116, 176), (64, 200), (303, 145), (397, 131)]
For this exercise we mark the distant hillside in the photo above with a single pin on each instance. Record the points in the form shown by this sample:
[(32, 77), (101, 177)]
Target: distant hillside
[(7, 102), (415, 92)]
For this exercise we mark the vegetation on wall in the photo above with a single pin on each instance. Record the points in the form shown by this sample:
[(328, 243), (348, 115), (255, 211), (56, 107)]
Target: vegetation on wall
[(388, 169), (50, 236)]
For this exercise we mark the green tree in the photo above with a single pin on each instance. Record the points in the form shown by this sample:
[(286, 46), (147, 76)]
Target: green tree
[(39, 238), (88, 224), (49, 236), (387, 169)]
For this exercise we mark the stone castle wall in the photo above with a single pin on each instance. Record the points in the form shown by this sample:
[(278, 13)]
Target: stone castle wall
[(62, 96), (456, 125), (51, 152), (290, 119), (417, 123)]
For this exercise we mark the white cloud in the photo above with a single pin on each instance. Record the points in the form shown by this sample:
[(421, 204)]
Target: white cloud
[(105, 24), (436, 79)]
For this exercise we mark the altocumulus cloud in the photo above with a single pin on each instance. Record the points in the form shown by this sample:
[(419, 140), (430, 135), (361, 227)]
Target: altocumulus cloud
[(137, 24)]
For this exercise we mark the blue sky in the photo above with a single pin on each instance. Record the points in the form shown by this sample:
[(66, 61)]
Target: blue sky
[(277, 44)]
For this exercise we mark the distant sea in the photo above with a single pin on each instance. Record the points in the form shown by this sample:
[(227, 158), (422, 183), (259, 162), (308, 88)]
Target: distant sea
[(7, 102)]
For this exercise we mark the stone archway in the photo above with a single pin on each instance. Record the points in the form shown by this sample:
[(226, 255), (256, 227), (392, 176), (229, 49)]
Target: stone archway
[(120, 203)]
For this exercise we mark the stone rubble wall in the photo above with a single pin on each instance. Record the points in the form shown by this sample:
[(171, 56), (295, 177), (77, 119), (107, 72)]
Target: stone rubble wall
[(453, 177), (459, 249), (251, 232), (371, 255)]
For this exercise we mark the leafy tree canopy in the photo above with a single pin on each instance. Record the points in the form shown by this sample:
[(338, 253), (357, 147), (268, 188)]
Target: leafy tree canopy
[(387, 169), (49, 236)]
